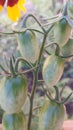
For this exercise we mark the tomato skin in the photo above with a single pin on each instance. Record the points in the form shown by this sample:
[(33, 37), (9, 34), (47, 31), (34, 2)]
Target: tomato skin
[(67, 49), (13, 93), (51, 116), (16, 121), (62, 31), (28, 46), (52, 70)]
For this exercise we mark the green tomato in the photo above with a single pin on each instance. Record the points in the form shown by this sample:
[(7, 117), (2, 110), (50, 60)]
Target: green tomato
[(51, 116), (28, 46), (62, 31), (13, 93), (67, 49), (16, 121), (52, 70)]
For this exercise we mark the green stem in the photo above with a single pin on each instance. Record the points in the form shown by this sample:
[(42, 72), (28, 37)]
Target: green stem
[(19, 31), (50, 18), (57, 51), (7, 33), (54, 21), (25, 29), (27, 71), (48, 95), (19, 60), (13, 58), (57, 93), (36, 76), (66, 99), (24, 22), (67, 56), (12, 68), (30, 15), (4, 69), (48, 45)]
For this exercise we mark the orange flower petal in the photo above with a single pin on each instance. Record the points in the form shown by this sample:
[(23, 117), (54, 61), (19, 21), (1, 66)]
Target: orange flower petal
[(1, 7), (13, 12), (14, 7), (21, 5)]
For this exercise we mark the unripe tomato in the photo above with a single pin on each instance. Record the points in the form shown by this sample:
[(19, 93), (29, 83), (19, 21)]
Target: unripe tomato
[(62, 31), (28, 46), (67, 49), (13, 93), (52, 70), (16, 121), (34, 123), (51, 116)]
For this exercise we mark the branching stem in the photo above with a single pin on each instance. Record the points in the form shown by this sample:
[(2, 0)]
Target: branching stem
[(36, 75)]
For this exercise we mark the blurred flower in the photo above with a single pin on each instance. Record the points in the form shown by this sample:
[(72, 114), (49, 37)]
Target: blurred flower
[(13, 8)]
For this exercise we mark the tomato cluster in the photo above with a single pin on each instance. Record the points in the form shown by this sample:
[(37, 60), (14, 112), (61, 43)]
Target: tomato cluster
[(13, 94), (52, 112), (13, 88)]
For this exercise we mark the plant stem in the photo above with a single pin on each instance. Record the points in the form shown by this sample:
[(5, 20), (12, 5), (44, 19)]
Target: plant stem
[(66, 56), (30, 15), (54, 21), (12, 70), (5, 71), (19, 60), (35, 76)]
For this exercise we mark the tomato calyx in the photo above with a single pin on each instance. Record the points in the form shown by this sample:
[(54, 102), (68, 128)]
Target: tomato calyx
[(58, 96), (31, 16), (13, 68), (13, 73), (57, 51)]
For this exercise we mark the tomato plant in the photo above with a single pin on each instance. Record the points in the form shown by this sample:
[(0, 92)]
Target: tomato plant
[(14, 86)]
